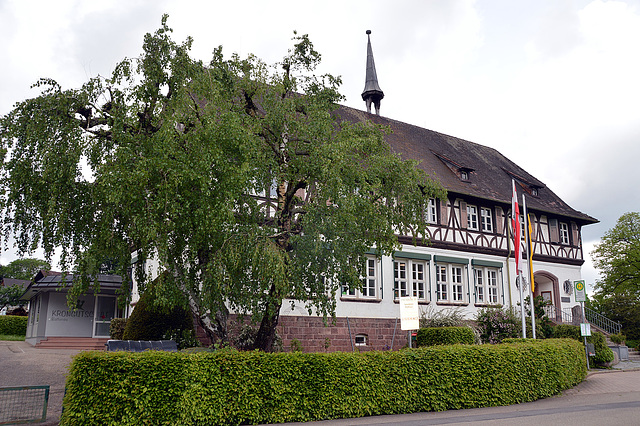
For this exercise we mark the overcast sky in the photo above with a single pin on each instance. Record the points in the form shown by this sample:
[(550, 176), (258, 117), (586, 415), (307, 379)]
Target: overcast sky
[(554, 85)]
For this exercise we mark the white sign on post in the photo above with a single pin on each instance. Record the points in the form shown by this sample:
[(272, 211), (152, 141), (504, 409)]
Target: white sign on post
[(585, 329), (409, 314)]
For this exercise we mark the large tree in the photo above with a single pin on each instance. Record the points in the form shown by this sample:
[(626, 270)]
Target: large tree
[(617, 256), (24, 269), (622, 307), (236, 176)]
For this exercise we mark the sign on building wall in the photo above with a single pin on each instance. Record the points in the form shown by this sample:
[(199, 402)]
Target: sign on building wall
[(409, 314), (64, 321)]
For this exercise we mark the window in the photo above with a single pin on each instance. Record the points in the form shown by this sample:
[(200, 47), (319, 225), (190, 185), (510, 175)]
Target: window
[(409, 279), (361, 339), (456, 283), (450, 283), (472, 217), (487, 219), (369, 282), (564, 233), (492, 285), (441, 279), (431, 213), (464, 175), (479, 276), (486, 282)]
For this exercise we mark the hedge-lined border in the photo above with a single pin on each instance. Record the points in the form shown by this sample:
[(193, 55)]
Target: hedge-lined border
[(430, 336), (229, 388), (13, 325)]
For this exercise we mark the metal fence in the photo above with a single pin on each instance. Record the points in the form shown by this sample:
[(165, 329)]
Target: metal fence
[(23, 404), (574, 316)]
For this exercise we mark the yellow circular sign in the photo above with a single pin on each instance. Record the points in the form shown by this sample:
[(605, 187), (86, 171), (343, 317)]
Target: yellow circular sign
[(579, 285)]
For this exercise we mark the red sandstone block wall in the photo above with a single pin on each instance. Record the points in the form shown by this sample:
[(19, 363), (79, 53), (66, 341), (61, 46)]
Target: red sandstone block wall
[(313, 335)]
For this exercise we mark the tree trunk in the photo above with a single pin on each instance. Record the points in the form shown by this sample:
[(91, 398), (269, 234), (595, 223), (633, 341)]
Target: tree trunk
[(266, 336)]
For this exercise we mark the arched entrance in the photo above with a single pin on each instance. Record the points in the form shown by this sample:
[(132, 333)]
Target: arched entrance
[(548, 286)]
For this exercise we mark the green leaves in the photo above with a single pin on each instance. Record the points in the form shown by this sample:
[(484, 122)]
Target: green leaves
[(238, 179), (617, 256), (228, 387)]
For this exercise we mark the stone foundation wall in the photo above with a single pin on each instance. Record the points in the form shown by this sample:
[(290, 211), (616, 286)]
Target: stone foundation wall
[(310, 334), (314, 336)]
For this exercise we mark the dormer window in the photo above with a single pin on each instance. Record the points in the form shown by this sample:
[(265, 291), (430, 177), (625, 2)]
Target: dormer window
[(534, 192), (464, 173)]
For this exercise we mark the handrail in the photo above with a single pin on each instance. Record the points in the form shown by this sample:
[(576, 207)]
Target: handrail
[(567, 316), (564, 316), (602, 322)]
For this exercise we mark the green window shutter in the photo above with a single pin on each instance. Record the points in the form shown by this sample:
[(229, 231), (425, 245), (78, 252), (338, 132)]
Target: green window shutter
[(449, 259), (487, 263), (408, 255)]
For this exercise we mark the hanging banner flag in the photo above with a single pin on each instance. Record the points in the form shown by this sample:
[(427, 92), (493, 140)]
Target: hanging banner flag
[(515, 222), (530, 245)]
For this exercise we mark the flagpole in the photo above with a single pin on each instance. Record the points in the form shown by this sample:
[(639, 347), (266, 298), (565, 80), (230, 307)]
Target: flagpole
[(515, 220), (527, 238)]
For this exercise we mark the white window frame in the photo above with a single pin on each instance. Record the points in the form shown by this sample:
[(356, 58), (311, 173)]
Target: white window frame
[(486, 285), (486, 218), (410, 279), (431, 215), (451, 280), (369, 289), (361, 339), (564, 233), (472, 217)]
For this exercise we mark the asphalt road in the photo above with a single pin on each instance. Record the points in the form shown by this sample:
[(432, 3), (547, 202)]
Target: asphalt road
[(604, 398)]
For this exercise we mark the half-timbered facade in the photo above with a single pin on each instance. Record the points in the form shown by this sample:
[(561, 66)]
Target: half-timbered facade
[(469, 262)]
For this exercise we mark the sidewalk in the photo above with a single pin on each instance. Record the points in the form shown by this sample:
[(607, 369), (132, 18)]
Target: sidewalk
[(23, 365)]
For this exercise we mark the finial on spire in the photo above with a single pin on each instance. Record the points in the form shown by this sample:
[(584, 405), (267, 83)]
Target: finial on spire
[(372, 92)]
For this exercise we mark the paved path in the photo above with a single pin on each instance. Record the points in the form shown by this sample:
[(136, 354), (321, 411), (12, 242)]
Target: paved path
[(604, 395), (23, 365)]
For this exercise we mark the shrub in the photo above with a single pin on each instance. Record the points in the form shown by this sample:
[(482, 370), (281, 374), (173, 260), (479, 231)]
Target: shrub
[(540, 332), (148, 322), (618, 339), (116, 328), (229, 387), (431, 317), (184, 338), (13, 325), (604, 354), (497, 323), (445, 336)]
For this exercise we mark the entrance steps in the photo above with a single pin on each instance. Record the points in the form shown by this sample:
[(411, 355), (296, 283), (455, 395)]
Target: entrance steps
[(634, 355), (77, 343)]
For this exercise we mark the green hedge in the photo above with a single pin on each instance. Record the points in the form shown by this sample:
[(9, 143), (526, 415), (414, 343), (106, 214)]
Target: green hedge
[(227, 387), (431, 336), (13, 325), (604, 354), (116, 328)]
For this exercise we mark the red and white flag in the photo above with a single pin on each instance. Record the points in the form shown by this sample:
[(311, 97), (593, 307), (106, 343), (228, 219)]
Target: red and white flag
[(515, 222)]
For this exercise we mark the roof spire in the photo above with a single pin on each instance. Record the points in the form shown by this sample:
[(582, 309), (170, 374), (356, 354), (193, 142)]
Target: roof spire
[(372, 92)]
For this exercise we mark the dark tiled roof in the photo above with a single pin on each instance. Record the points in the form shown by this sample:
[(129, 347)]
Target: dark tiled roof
[(105, 281), (8, 282), (54, 280), (490, 172)]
